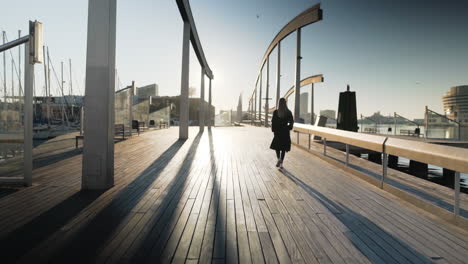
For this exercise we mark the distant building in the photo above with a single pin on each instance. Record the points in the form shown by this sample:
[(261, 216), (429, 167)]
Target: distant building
[(304, 100), (456, 103), (328, 113), (147, 91)]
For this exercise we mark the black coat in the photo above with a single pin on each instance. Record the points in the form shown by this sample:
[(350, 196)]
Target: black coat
[(281, 128)]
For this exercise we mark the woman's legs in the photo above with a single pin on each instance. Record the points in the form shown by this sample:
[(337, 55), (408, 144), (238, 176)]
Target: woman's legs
[(278, 155), (283, 154)]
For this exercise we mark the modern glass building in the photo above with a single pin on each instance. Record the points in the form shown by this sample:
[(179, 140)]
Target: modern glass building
[(456, 103)]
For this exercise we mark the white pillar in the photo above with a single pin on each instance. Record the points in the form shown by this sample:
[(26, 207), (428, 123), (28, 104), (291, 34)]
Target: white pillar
[(297, 97), (130, 108), (312, 104), (28, 116), (210, 114), (255, 102), (260, 98), (201, 113), (184, 86), (98, 148), (4, 73), (267, 90), (278, 74)]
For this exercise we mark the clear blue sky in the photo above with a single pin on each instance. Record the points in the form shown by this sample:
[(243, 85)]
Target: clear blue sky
[(398, 55)]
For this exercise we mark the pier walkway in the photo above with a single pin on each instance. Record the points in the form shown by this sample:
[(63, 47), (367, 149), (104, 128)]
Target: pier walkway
[(217, 197)]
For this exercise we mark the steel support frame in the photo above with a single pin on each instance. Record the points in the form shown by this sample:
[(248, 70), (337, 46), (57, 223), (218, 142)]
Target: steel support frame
[(297, 99)]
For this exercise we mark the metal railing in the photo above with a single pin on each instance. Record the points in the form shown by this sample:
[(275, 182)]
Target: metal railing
[(451, 158)]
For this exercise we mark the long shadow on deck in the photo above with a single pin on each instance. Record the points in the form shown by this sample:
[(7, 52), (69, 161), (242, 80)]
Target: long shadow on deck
[(374, 242), (18, 242), (151, 247), (83, 246)]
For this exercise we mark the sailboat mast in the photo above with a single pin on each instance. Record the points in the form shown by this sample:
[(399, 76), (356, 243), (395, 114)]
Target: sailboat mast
[(12, 79), (4, 74), (48, 80), (64, 100), (46, 86), (71, 90), (63, 95), (19, 65)]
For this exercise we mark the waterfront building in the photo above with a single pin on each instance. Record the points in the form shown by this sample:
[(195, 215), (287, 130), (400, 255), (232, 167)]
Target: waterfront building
[(328, 113), (148, 90), (456, 104)]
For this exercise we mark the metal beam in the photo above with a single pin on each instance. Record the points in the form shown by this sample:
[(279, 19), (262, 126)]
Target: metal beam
[(184, 86), (309, 16), (201, 114), (14, 43), (187, 17), (297, 98)]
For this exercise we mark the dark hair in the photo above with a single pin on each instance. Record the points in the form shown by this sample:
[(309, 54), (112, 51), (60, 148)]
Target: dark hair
[(282, 107)]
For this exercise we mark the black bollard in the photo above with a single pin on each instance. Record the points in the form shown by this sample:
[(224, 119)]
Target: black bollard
[(448, 177), (375, 157), (418, 169), (392, 161)]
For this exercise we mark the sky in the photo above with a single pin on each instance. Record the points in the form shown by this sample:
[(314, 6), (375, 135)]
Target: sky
[(397, 55)]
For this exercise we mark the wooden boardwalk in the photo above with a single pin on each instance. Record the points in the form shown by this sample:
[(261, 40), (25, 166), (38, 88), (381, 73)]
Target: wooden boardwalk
[(217, 197)]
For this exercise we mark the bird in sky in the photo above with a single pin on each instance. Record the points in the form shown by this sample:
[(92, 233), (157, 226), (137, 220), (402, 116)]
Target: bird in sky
[(258, 16)]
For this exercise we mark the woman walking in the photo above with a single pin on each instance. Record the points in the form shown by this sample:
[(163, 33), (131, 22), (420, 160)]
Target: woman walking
[(281, 123)]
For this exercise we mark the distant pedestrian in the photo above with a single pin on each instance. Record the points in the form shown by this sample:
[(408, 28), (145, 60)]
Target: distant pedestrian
[(281, 123)]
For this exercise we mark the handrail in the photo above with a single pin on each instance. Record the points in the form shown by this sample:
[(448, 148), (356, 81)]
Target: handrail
[(448, 157), (366, 141), (452, 158)]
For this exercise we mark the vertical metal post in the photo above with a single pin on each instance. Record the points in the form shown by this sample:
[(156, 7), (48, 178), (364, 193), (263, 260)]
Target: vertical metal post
[(267, 91), (384, 168), (63, 94), (426, 121), (255, 102), (12, 79), (201, 113), (184, 87), (98, 145), (278, 74), (456, 207), (347, 155), (210, 114), (130, 108), (312, 104), (82, 121), (4, 73), (47, 85), (49, 82), (28, 116), (310, 139), (324, 140), (394, 121), (297, 137), (297, 100), (260, 98), (19, 66)]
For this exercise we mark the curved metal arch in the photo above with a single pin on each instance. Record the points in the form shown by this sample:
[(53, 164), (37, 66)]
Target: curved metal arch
[(309, 16), (309, 80)]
